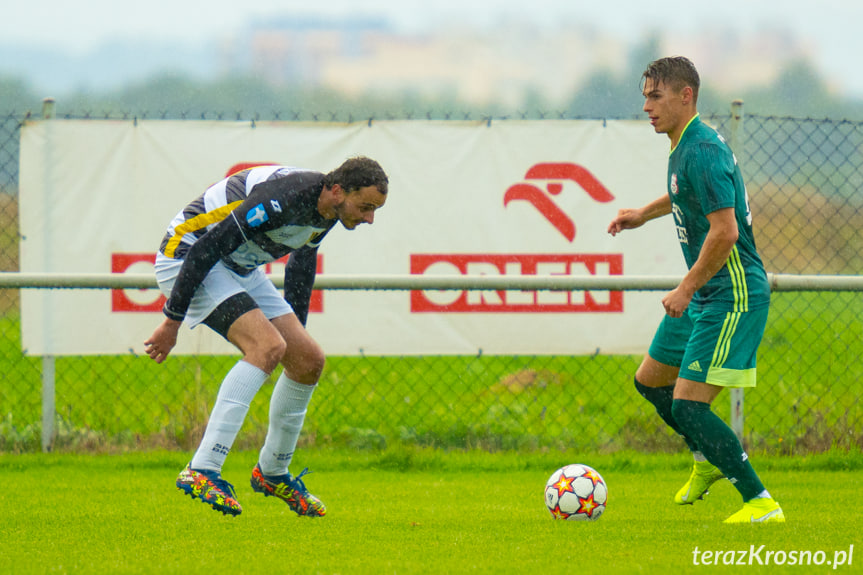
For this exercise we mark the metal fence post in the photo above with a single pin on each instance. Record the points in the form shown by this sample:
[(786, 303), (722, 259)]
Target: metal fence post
[(48, 405), (48, 367), (736, 136)]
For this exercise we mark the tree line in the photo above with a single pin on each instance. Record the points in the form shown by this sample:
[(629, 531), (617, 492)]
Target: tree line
[(798, 91)]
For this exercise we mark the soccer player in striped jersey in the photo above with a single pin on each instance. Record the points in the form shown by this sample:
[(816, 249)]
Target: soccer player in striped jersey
[(209, 267), (715, 317)]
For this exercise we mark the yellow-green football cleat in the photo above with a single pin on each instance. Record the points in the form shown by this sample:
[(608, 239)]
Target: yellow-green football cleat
[(760, 510), (704, 474)]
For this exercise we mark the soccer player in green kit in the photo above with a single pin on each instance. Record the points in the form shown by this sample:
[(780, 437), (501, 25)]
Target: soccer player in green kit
[(715, 317)]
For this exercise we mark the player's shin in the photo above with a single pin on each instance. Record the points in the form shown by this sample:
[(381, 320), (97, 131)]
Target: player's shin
[(719, 445), (235, 395), (288, 407)]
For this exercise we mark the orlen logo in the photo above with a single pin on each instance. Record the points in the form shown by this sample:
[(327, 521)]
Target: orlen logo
[(152, 300), (554, 174), (450, 301), (135, 300)]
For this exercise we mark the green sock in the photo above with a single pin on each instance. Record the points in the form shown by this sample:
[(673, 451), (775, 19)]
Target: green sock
[(718, 444), (661, 398)]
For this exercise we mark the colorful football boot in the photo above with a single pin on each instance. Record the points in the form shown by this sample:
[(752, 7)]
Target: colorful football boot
[(209, 487), (289, 489)]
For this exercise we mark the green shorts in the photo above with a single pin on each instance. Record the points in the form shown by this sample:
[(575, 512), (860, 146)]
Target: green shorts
[(711, 346)]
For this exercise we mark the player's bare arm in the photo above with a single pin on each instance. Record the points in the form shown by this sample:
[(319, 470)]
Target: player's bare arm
[(628, 219), (714, 253)]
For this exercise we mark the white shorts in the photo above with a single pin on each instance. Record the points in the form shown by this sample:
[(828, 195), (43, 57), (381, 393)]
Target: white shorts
[(220, 284)]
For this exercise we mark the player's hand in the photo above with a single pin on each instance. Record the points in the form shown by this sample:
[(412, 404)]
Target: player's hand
[(676, 301), (626, 219), (162, 341)]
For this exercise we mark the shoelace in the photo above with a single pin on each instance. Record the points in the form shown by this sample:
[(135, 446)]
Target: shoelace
[(224, 486), (299, 482)]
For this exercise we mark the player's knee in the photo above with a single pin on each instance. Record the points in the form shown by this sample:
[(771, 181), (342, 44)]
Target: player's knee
[(270, 351), (316, 365), (651, 377), (305, 365), (687, 413)]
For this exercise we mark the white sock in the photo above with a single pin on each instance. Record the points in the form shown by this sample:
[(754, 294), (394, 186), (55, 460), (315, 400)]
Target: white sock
[(763, 495), (287, 414), (698, 456), (235, 394)]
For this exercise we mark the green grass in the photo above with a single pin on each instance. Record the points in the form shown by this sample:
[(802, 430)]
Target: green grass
[(405, 511)]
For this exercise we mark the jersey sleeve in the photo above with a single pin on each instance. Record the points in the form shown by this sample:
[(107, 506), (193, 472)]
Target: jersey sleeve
[(261, 211), (300, 279), (711, 171), (273, 202), (220, 240)]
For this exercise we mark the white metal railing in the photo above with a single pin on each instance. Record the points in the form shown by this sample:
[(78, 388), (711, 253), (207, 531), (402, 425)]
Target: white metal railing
[(778, 282)]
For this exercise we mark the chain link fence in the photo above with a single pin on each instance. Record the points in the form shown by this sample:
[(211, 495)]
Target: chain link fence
[(805, 180)]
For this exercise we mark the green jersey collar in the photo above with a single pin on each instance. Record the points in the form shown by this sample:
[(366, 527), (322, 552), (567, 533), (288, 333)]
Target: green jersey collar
[(683, 133)]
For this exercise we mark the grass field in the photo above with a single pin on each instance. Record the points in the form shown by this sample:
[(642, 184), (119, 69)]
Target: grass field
[(415, 511)]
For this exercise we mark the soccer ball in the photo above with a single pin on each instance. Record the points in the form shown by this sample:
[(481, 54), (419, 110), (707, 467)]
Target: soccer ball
[(576, 492)]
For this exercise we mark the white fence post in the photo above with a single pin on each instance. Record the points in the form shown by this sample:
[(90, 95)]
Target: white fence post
[(737, 147), (49, 411), (48, 406)]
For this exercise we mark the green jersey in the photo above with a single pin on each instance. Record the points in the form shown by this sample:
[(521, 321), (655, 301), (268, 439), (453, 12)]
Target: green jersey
[(703, 176)]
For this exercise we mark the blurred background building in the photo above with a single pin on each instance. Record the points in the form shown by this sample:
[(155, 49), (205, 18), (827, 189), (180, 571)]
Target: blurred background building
[(564, 56), (361, 56)]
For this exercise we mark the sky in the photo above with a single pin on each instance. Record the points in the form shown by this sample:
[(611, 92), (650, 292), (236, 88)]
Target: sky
[(832, 28)]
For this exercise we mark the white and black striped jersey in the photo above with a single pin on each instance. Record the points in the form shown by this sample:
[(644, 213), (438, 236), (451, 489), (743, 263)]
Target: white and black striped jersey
[(249, 219)]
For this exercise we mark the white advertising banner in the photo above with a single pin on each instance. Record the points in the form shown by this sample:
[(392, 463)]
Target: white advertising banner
[(470, 198)]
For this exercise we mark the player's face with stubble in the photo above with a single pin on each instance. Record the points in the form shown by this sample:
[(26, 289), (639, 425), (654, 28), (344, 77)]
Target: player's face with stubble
[(359, 206)]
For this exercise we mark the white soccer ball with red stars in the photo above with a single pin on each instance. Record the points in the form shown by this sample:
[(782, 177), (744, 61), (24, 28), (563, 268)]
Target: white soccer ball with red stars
[(576, 492)]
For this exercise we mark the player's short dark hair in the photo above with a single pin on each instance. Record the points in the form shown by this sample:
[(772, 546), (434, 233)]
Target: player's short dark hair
[(356, 173), (675, 72)]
